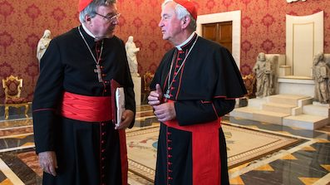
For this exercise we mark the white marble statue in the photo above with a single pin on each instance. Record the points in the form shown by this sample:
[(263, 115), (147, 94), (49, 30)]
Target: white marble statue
[(43, 44), (131, 51), (321, 75), (264, 70)]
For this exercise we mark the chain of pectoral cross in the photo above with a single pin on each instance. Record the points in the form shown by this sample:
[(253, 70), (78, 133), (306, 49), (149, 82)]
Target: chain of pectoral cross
[(98, 55), (169, 81)]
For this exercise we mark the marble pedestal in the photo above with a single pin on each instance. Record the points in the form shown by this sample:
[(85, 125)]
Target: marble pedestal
[(137, 89), (296, 85)]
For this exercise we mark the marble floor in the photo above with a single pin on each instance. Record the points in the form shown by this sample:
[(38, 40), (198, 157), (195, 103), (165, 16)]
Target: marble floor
[(304, 163)]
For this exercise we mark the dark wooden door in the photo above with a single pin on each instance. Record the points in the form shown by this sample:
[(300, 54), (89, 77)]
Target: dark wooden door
[(220, 32)]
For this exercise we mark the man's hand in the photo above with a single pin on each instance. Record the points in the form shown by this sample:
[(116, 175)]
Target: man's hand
[(48, 162), (126, 119), (155, 97), (165, 112)]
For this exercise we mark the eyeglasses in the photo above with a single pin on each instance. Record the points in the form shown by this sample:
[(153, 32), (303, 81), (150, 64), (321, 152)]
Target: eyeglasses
[(110, 19)]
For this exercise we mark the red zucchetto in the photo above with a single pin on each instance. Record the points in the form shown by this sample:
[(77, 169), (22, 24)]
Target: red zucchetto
[(83, 4), (190, 6)]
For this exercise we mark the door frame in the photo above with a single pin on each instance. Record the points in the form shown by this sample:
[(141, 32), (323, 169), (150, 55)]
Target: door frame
[(235, 17)]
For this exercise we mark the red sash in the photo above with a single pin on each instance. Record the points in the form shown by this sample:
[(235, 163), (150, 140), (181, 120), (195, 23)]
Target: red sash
[(86, 108), (94, 109), (205, 151)]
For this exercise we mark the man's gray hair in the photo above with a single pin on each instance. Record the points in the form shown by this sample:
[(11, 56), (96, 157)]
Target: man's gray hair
[(91, 8), (181, 12)]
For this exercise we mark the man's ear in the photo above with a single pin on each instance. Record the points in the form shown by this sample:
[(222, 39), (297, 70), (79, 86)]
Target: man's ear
[(87, 18), (185, 21)]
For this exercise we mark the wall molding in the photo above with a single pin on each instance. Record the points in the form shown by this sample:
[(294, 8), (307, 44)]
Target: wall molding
[(292, 1)]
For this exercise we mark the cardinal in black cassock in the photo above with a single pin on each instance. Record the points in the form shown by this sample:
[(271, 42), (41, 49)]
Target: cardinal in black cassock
[(195, 84), (73, 109)]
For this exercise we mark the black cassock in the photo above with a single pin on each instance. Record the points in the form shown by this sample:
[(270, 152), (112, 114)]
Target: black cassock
[(87, 152), (204, 89)]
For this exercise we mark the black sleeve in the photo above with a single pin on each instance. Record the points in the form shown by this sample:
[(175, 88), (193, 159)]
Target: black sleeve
[(130, 103), (47, 95), (195, 112)]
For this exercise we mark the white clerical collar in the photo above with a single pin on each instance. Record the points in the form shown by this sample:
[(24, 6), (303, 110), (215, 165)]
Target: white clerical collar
[(179, 47), (87, 31)]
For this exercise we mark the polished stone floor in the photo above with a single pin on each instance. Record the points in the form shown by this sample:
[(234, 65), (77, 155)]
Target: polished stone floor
[(304, 163)]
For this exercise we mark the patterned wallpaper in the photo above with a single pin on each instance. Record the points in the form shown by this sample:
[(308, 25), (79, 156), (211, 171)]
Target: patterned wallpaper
[(22, 24)]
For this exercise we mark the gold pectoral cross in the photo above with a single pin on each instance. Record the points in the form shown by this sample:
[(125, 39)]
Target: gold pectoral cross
[(99, 72)]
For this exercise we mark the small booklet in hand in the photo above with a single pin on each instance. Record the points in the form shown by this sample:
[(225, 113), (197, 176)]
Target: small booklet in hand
[(120, 104), (117, 102)]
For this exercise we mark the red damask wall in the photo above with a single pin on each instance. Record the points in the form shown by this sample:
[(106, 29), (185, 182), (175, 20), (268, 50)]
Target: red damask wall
[(22, 24)]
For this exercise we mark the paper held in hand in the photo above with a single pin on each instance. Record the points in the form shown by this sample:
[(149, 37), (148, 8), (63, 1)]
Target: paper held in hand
[(120, 104)]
